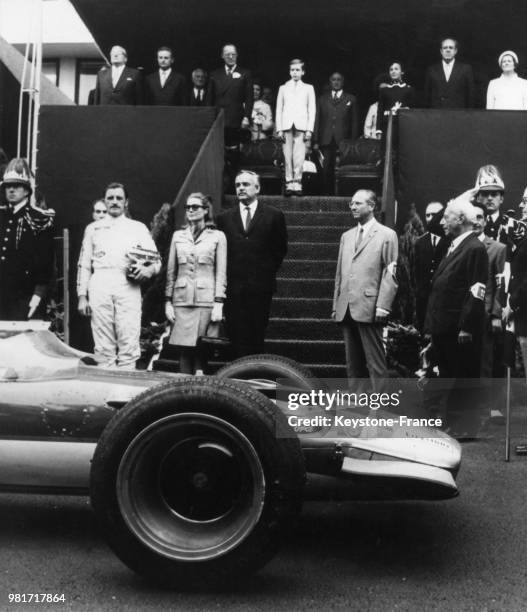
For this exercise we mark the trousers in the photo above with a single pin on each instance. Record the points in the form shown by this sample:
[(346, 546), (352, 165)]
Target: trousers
[(294, 149), (116, 318)]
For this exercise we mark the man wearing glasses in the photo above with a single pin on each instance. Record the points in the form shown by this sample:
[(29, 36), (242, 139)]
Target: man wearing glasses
[(449, 84), (110, 271), (365, 287)]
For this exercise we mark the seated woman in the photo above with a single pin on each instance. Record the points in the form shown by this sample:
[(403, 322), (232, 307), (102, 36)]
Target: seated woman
[(509, 91), (394, 95), (262, 116), (196, 281)]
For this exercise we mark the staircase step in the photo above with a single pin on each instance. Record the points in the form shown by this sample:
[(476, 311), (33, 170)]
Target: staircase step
[(341, 218), (304, 268), (322, 233), (313, 249), (301, 307), (305, 287), (306, 351), (304, 329)]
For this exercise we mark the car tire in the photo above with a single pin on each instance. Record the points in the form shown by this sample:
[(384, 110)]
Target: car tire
[(191, 485), (271, 367)]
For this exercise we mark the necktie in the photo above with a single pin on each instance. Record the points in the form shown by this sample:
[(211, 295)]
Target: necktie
[(450, 250), (359, 239), (163, 78), (247, 219), (434, 240)]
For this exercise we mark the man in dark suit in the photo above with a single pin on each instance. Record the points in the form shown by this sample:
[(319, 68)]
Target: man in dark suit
[(118, 84), (337, 118), (455, 316), (256, 245), (429, 250), (26, 256), (165, 87), (231, 88), (449, 84), (198, 91)]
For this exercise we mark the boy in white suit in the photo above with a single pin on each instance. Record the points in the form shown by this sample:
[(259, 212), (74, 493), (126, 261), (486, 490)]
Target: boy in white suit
[(295, 121)]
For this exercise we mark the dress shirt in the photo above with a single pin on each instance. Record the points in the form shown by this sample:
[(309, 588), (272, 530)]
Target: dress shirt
[(457, 241), (198, 94), (447, 69), (243, 210), (228, 70), (336, 94), (366, 227), (163, 75), (116, 74)]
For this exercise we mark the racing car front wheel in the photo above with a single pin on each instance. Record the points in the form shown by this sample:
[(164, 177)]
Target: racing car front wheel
[(191, 485)]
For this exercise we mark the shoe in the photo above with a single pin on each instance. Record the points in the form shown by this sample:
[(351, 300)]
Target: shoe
[(288, 192), (521, 449)]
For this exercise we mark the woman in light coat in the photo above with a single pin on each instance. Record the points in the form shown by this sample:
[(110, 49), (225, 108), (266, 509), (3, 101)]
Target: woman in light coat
[(196, 281), (509, 91)]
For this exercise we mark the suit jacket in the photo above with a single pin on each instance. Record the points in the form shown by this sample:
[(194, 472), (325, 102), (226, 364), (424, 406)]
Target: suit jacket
[(193, 101), (128, 89), (233, 93), (296, 106), (336, 119), (196, 270), (173, 93), (456, 301), (365, 276), (458, 92), (253, 257), (518, 289), (497, 254), (426, 260)]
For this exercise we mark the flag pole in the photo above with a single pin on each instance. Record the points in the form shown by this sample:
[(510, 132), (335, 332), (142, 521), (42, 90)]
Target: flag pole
[(388, 186)]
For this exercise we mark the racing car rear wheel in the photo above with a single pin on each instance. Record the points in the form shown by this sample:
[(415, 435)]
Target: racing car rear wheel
[(271, 367), (191, 485)]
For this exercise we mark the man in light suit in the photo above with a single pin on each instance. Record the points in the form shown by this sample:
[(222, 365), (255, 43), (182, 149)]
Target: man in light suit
[(118, 84), (455, 316), (449, 84), (337, 119), (365, 287), (165, 87), (256, 245), (295, 122)]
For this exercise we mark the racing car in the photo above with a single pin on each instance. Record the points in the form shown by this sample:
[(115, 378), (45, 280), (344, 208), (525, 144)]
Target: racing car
[(190, 479)]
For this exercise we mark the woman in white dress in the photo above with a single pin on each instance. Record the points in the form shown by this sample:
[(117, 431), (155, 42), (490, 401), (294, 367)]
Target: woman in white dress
[(196, 281), (509, 91)]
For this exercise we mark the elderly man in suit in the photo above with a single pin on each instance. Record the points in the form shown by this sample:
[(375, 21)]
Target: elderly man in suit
[(365, 287), (231, 88), (337, 119), (118, 84), (295, 122), (449, 84), (256, 245), (198, 91), (165, 87), (429, 250), (456, 313)]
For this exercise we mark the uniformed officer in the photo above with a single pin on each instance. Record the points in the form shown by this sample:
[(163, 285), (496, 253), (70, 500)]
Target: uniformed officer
[(110, 271), (26, 247)]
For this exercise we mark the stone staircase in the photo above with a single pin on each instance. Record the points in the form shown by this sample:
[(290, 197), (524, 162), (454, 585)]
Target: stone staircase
[(300, 326)]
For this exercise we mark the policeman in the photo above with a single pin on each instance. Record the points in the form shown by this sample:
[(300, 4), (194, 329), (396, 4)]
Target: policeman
[(26, 246), (117, 254)]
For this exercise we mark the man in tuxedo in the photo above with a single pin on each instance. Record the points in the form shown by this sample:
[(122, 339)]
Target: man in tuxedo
[(118, 84), (365, 288), (231, 88), (449, 84), (256, 245), (165, 87), (337, 119), (455, 316), (429, 250), (198, 91)]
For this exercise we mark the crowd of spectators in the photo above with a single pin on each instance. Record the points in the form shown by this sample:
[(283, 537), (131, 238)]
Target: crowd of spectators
[(296, 118)]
